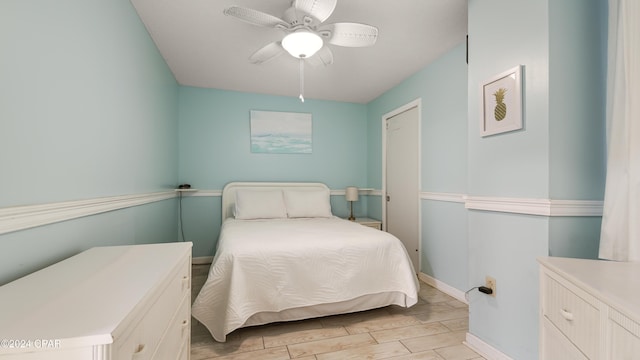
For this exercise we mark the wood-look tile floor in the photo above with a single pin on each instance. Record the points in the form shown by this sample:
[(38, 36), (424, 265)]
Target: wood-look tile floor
[(433, 329)]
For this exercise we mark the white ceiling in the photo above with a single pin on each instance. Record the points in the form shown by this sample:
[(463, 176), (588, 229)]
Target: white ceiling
[(205, 48)]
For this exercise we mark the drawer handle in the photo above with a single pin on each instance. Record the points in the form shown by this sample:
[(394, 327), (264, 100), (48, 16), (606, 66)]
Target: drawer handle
[(140, 350), (185, 326), (567, 315)]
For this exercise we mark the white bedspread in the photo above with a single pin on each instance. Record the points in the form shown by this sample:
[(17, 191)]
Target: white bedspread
[(276, 265)]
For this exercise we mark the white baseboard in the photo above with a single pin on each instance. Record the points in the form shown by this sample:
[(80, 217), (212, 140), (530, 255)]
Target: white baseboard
[(445, 288), (487, 351), (472, 341), (202, 260)]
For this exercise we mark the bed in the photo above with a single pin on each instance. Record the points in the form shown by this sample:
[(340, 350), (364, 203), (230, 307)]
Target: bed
[(283, 256)]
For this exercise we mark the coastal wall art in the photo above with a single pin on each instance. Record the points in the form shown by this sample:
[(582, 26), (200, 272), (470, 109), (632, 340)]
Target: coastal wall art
[(274, 132)]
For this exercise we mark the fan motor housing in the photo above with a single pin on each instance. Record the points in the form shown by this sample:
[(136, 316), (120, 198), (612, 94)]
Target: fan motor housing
[(299, 18)]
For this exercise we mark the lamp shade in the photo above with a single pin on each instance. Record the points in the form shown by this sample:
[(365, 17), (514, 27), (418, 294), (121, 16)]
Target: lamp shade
[(351, 193), (302, 43)]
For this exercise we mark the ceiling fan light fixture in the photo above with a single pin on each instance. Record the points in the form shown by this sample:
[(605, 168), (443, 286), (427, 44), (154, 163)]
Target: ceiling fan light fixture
[(302, 44)]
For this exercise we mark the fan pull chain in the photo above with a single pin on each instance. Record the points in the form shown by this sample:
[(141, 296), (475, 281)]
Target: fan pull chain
[(301, 80)]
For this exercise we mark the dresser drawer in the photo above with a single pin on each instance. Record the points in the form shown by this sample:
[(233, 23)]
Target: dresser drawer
[(142, 341), (625, 336), (168, 303), (177, 335), (557, 346), (185, 352), (577, 318)]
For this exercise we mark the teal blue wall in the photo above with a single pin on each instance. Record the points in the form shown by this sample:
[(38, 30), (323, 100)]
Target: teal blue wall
[(505, 246), (576, 111), (215, 149), (444, 168), (558, 154), (88, 108), (577, 86), (576, 237), (442, 87), (503, 34)]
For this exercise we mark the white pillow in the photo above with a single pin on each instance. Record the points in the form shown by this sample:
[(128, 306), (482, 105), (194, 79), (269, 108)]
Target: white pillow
[(260, 204), (308, 203)]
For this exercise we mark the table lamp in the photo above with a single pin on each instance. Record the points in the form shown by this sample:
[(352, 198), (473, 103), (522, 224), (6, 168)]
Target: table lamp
[(351, 194)]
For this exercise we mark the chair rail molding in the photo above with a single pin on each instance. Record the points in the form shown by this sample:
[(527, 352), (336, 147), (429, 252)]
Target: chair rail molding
[(527, 206), (448, 197), (543, 207), (28, 216), (333, 192)]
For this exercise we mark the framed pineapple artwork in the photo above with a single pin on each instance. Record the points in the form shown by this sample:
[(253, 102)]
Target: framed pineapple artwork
[(501, 101)]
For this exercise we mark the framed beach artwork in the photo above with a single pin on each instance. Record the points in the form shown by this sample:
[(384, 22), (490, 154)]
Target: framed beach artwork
[(501, 102), (275, 132)]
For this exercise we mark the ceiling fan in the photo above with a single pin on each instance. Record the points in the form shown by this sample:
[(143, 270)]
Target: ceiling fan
[(306, 35)]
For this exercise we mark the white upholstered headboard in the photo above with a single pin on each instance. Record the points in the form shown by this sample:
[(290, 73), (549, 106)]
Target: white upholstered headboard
[(229, 191)]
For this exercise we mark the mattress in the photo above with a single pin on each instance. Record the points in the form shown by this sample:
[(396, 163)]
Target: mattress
[(291, 269)]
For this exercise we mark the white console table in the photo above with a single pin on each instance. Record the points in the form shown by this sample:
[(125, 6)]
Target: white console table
[(589, 309), (121, 302)]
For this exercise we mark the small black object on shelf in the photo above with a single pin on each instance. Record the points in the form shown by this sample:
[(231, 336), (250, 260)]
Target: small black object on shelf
[(184, 186)]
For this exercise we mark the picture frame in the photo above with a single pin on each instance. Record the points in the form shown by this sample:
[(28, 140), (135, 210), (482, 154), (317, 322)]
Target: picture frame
[(501, 103), (275, 132)]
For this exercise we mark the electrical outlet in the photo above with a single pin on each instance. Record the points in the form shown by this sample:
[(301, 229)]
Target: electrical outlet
[(491, 284)]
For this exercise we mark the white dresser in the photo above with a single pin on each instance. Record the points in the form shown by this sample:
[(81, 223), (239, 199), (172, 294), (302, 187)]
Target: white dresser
[(589, 309), (121, 302)]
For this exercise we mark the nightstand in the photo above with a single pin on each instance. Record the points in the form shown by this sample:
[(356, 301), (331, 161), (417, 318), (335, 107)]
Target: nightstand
[(376, 224)]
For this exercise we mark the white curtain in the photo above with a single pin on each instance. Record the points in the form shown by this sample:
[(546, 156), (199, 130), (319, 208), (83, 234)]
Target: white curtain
[(620, 236)]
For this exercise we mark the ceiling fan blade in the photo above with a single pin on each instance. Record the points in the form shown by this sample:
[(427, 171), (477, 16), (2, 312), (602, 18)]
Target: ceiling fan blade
[(319, 9), (255, 17), (267, 53), (324, 56), (349, 34)]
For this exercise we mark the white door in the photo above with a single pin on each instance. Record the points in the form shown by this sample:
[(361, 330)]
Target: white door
[(402, 188)]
